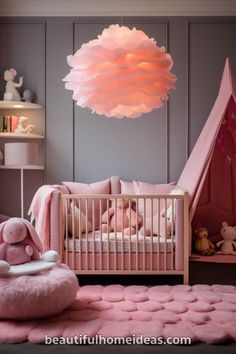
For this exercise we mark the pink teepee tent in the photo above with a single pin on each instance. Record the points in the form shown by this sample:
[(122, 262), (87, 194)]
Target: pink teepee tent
[(210, 172)]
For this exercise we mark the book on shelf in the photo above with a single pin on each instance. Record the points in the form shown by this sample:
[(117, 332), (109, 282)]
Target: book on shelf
[(8, 124)]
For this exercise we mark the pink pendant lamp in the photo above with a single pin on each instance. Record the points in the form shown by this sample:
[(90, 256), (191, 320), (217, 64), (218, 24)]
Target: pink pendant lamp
[(122, 73)]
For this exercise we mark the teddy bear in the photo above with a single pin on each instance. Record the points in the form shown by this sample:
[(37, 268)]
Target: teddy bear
[(126, 218), (202, 244), (228, 233), (11, 93), (19, 244)]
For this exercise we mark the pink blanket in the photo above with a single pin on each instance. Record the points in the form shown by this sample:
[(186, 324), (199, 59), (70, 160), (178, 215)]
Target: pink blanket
[(40, 212)]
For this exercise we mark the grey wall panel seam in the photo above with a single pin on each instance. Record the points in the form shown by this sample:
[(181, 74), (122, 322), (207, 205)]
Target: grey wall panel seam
[(73, 113), (45, 102), (187, 90), (167, 113)]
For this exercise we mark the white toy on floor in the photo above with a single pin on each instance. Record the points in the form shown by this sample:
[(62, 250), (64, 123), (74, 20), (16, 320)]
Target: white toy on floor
[(228, 233), (22, 127), (21, 249), (11, 93)]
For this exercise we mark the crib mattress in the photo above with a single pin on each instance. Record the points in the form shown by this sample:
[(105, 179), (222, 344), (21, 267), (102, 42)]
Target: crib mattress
[(117, 243)]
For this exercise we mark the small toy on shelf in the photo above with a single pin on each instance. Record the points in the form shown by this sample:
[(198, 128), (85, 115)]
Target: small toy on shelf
[(11, 93), (228, 233), (202, 244), (22, 127), (27, 96)]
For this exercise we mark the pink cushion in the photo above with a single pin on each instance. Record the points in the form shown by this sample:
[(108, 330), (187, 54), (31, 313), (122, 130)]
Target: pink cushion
[(142, 188), (127, 187), (102, 187), (36, 296), (115, 185)]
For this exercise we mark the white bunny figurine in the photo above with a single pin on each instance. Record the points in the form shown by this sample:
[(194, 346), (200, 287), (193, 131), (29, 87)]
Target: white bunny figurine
[(11, 93)]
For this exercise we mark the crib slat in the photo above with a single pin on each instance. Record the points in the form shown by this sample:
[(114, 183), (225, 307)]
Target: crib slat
[(172, 233), (165, 249), (129, 234), (151, 243), (144, 225), (137, 233), (93, 228), (115, 250), (86, 230), (80, 236), (100, 218), (159, 232), (67, 238), (122, 244), (108, 235), (73, 231)]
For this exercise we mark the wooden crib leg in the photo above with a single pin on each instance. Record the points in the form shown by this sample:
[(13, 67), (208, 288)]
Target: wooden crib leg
[(186, 277)]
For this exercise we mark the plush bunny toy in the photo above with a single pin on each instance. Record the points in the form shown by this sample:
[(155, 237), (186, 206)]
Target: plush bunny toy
[(19, 244), (228, 243), (125, 218)]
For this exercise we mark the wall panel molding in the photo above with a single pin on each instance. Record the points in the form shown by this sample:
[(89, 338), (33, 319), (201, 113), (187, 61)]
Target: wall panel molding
[(121, 7), (222, 46)]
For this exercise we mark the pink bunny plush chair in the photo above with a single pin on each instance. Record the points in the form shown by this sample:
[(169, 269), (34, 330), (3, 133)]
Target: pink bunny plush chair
[(50, 289)]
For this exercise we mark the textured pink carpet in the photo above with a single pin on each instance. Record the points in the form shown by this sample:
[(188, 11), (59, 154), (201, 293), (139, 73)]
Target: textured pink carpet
[(204, 313)]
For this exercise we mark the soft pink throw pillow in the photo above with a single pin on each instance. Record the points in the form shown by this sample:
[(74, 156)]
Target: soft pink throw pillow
[(142, 188), (127, 187), (115, 185), (102, 187)]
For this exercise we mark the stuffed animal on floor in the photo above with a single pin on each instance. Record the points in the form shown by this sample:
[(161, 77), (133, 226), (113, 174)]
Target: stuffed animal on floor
[(20, 244), (202, 244), (125, 219), (228, 233)]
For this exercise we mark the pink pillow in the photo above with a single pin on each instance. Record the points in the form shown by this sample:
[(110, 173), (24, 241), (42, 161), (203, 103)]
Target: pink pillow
[(115, 185), (102, 187), (142, 188), (127, 187)]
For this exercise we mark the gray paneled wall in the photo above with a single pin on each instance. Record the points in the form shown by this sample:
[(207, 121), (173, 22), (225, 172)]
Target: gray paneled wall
[(87, 147), (132, 148), (22, 43)]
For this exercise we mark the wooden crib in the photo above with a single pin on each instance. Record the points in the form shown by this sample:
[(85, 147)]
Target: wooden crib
[(158, 246)]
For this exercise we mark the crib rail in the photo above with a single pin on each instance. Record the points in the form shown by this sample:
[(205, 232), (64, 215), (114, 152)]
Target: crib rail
[(149, 234)]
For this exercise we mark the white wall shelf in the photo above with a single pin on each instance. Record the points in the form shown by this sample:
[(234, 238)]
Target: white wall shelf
[(36, 115), (21, 167), (19, 105), (20, 136)]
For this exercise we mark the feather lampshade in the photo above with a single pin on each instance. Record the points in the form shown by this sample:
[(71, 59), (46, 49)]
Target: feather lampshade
[(122, 73)]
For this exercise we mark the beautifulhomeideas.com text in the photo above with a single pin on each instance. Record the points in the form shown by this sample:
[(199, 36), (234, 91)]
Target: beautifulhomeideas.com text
[(99, 339)]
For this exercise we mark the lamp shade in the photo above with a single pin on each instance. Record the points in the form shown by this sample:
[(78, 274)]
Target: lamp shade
[(122, 73)]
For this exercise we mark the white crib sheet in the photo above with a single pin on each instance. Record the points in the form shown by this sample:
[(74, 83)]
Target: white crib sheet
[(100, 242)]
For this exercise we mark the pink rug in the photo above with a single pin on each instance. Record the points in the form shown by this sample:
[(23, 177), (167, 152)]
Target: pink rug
[(202, 312)]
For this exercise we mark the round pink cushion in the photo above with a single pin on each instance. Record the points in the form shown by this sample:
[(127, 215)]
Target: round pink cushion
[(40, 295)]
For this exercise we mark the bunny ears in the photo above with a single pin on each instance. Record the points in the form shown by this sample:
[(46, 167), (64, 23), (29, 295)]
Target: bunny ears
[(31, 231)]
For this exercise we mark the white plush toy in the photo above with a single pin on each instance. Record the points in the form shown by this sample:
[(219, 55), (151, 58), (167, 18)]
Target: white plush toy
[(22, 127), (228, 244), (11, 93)]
